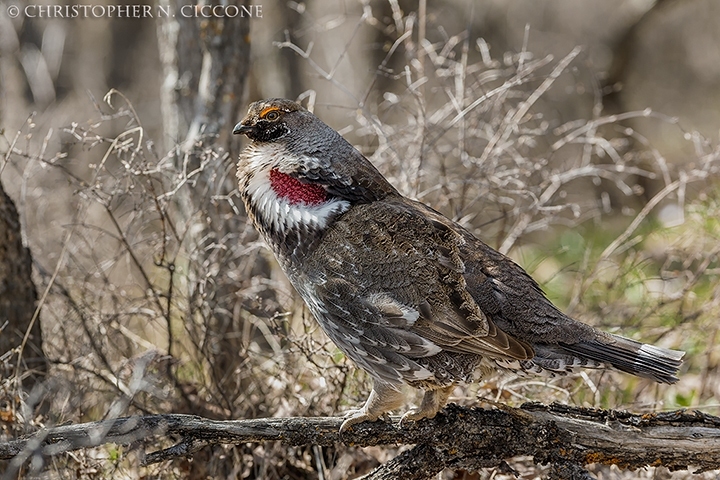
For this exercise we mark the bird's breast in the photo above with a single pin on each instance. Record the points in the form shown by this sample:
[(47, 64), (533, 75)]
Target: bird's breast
[(291, 216)]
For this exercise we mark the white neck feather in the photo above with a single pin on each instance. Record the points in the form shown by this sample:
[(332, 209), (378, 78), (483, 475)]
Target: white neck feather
[(277, 212), (281, 215)]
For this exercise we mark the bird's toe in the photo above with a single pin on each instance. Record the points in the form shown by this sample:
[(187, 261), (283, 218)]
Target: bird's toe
[(355, 416), (415, 414)]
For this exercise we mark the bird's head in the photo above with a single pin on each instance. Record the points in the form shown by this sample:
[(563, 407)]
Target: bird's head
[(270, 120), (299, 173)]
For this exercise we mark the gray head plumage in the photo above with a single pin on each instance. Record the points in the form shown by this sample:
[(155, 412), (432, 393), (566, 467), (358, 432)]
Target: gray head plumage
[(319, 154)]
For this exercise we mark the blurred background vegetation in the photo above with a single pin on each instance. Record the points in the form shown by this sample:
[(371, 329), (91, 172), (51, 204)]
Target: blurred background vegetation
[(580, 138)]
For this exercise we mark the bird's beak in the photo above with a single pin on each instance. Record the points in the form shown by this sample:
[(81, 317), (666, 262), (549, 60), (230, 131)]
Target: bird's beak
[(240, 128)]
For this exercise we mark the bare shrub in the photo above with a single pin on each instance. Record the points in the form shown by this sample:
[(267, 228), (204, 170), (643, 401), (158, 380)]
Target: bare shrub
[(148, 263)]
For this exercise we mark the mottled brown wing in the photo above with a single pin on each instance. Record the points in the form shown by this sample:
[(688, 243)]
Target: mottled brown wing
[(401, 279), (515, 303), (508, 295)]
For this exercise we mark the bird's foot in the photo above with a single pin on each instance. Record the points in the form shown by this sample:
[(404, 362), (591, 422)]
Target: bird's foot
[(357, 415), (433, 401), (415, 414), (383, 398)]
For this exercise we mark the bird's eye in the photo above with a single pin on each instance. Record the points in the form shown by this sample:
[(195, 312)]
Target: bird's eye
[(272, 115)]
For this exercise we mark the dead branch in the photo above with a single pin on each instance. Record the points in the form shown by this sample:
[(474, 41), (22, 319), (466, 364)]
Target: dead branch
[(460, 437)]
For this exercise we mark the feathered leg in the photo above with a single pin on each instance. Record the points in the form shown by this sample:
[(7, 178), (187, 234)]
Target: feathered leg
[(383, 398)]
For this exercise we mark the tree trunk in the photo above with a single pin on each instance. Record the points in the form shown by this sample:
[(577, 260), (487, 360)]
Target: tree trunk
[(17, 301), (205, 65)]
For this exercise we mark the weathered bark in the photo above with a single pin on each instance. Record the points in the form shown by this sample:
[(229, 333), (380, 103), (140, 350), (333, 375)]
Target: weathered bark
[(205, 64), (17, 301), (460, 437), (18, 296)]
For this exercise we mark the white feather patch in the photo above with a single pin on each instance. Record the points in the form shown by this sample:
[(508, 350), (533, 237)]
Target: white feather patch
[(283, 215)]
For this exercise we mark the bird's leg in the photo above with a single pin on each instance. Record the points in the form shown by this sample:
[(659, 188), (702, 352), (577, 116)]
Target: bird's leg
[(383, 398), (433, 401)]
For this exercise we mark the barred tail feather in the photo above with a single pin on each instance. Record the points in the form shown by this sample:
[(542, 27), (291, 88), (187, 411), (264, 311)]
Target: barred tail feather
[(643, 360)]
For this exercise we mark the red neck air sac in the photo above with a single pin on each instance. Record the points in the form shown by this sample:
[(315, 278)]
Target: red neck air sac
[(295, 191)]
